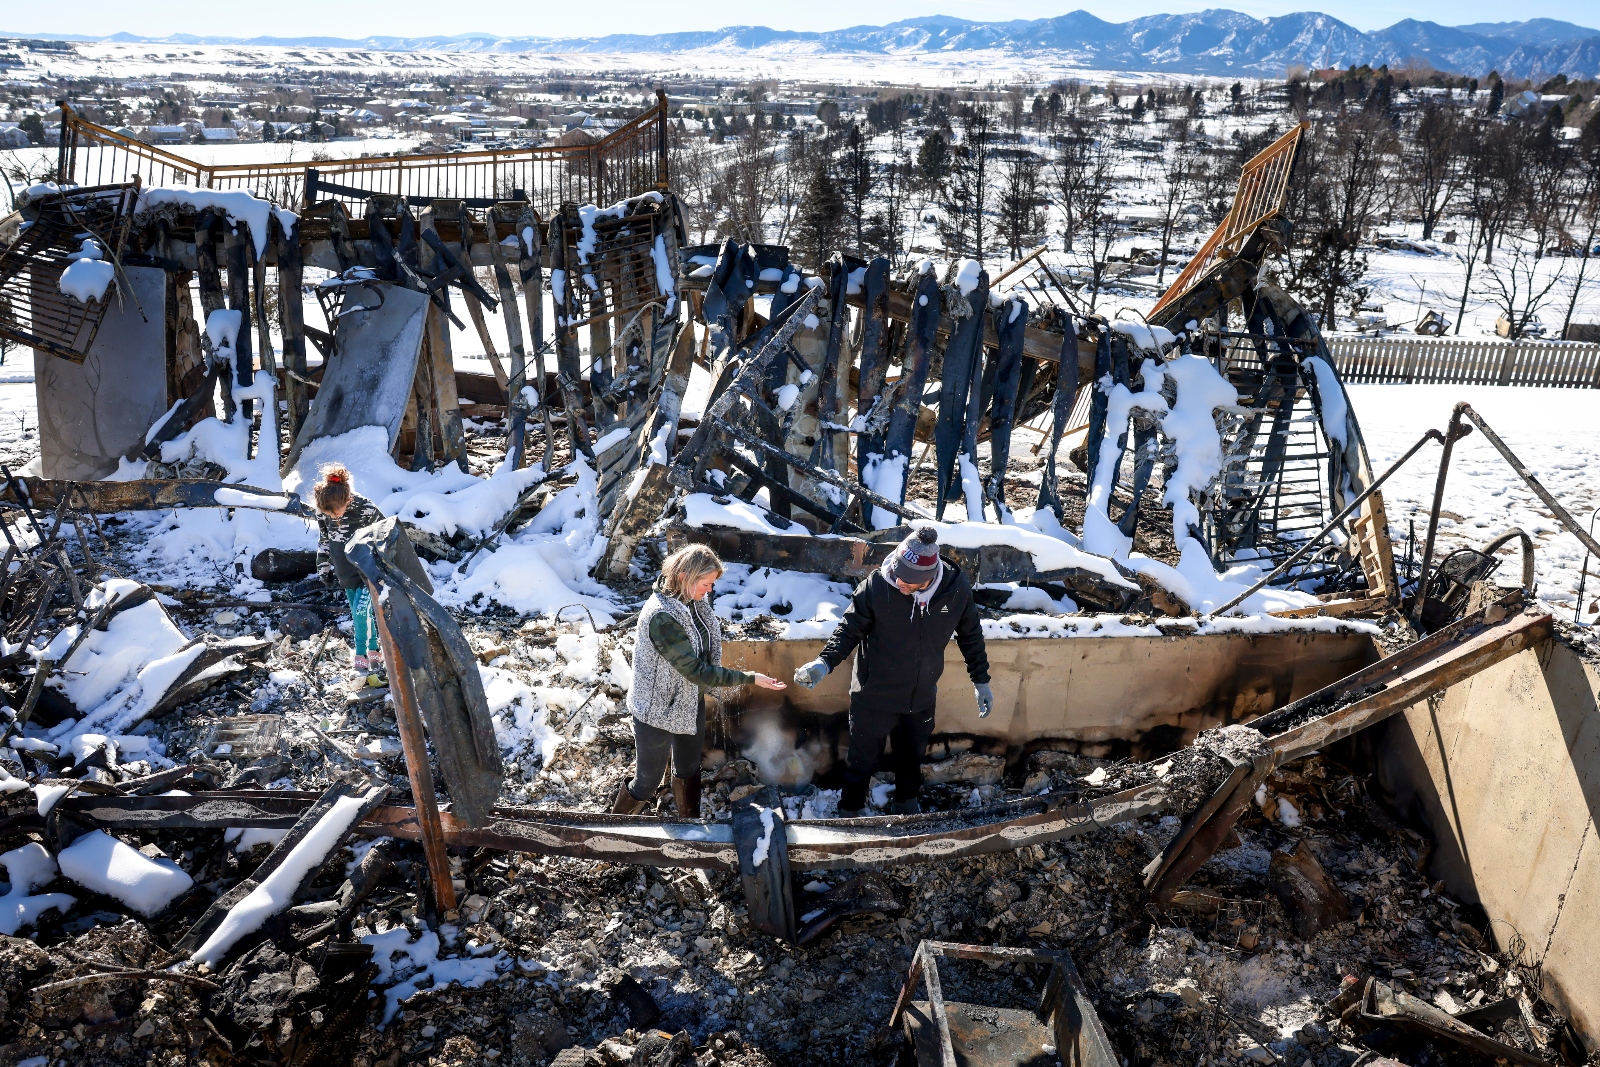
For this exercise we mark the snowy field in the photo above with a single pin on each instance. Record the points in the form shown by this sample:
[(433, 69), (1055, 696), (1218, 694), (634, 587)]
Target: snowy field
[(798, 60), (1553, 432)]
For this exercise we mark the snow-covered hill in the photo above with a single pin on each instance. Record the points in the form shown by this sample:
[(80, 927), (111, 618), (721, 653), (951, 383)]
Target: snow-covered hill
[(1216, 42)]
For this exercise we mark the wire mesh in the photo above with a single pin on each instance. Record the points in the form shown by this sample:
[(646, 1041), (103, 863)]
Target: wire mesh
[(33, 309)]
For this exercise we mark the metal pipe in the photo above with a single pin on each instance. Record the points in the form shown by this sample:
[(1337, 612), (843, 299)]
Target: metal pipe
[(1453, 433), (1431, 435), (1562, 514), (1583, 577)]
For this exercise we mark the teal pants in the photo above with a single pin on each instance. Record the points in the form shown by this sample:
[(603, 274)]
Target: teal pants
[(363, 632)]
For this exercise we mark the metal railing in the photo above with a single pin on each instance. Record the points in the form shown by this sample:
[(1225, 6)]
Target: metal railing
[(1465, 361), (626, 162)]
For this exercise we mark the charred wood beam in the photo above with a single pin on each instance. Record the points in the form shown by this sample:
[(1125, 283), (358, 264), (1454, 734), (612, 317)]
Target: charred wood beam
[(962, 357), (850, 559), (154, 494), (516, 399), (530, 271), (871, 404), (569, 362), (1008, 379), (1358, 701), (240, 249), (1066, 395), (291, 322)]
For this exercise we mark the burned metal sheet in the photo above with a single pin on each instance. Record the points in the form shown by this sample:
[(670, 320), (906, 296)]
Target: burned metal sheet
[(97, 408), (369, 379), (442, 670)]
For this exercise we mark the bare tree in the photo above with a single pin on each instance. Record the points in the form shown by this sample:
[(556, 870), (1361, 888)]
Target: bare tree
[(697, 181), (860, 176), (1493, 160), (750, 186), (1178, 183), (1546, 200), (1341, 204), (1021, 219), (1095, 212), (1589, 212), (1515, 287), (1072, 170), (1433, 173), (966, 199)]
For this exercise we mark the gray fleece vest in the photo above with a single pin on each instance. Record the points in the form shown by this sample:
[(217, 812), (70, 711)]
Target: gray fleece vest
[(660, 696)]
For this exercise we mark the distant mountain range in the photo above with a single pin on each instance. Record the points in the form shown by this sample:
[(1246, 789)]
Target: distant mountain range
[(1216, 42)]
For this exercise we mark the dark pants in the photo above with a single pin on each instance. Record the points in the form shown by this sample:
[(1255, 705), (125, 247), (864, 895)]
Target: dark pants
[(653, 746), (868, 731)]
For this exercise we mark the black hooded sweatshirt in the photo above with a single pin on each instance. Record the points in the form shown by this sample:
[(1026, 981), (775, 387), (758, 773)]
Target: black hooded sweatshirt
[(902, 644)]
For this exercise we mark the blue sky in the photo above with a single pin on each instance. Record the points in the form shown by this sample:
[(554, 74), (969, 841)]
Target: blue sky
[(297, 18)]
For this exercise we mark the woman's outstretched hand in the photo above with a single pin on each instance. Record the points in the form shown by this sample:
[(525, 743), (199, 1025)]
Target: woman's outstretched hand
[(770, 683)]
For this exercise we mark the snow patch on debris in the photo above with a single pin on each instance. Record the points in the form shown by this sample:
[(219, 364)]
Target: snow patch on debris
[(119, 674), (415, 965), (804, 606), (521, 718), (277, 890), (88, 275), (545, 567), (101, 863), (443, 502), (702, 510), (237, 205)]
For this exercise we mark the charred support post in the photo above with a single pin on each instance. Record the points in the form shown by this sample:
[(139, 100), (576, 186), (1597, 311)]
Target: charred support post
[(569, 362), (415, 747), (1061, 411), (530, 272), (239, 247), (516, 401), (291, 318)]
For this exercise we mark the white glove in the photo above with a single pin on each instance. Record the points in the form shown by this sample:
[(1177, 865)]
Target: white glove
[(811, 673), (985, 699)]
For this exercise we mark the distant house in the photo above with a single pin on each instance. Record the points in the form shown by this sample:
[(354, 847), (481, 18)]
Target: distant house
[(219, 135), (576, 137), (1530, 105), (12, 136), (167, 134)]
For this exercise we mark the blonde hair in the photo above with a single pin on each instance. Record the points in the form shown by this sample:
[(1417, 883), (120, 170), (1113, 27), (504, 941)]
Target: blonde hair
[(332, 491), (681, 570)]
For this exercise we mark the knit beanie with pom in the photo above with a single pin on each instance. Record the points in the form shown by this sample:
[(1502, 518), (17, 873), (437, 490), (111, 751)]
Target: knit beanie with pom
[(916, 559)]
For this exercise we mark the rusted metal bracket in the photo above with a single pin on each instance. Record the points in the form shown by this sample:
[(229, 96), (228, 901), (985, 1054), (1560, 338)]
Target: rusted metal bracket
[(943, 1034)]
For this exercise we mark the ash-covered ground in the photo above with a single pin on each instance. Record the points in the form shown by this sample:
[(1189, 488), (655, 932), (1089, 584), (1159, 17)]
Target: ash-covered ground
[(551, 956), (540, 944)]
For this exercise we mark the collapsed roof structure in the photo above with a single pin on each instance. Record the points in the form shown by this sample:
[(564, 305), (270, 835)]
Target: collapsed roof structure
[(1244, 595)]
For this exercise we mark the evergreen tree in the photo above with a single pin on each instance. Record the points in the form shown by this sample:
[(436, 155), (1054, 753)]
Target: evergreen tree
[(820, 222)]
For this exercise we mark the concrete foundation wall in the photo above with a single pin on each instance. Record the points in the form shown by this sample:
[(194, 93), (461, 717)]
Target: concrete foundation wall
[(1505, 769), (1090, 690)]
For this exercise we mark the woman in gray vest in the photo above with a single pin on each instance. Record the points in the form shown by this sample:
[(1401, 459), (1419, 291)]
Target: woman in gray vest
[(677, 655)]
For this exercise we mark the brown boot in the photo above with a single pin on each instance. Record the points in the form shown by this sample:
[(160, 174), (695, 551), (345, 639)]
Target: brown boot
[(686, 795), (625, 803)]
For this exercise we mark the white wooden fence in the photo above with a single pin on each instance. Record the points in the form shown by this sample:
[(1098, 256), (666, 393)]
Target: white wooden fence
[(1465, 360)]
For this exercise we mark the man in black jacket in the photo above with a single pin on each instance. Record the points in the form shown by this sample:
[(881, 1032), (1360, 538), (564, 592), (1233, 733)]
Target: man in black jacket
[(902, 617)]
